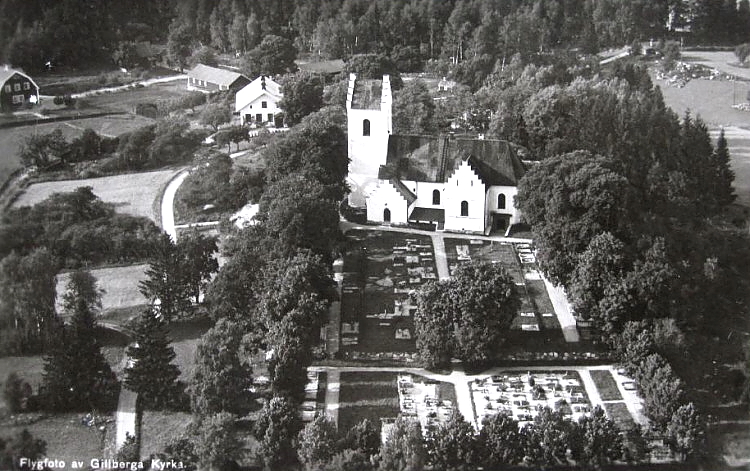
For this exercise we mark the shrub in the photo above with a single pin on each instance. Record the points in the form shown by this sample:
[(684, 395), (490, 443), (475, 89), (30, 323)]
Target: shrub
[(58, 100), (16, 392)]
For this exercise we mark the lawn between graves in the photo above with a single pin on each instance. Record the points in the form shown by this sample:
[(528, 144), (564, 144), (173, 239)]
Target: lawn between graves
[(606, 385), (375, 268)]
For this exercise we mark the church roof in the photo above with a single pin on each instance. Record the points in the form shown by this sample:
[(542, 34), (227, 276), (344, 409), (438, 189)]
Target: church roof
[(367, 94), (433, 159)]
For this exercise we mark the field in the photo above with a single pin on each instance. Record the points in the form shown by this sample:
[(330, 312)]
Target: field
[(136, 194), (127, 99), (711, 99), (12, 138), (67, 439), (120, 285), (159, 428), (606, 385), (367, 395), (380, 270), (725, 61)]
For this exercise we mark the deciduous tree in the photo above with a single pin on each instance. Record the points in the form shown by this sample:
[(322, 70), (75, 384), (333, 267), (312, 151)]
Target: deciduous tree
[(501, 441), (218, 443), (277, 428), (452, 445), (403, 449), (317, 442), (687, 432)]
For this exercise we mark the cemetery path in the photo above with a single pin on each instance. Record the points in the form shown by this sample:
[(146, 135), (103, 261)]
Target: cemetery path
[(562, 311), (588, 383), (333, 386), (441, 260)]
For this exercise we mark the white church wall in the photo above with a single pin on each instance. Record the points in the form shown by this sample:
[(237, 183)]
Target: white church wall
[(464, 185)]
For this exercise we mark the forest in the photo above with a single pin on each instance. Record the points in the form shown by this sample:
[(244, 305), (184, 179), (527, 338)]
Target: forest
[(473, 33)]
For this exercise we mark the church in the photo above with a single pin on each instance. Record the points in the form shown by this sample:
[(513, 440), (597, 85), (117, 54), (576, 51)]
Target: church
[(450, 183)]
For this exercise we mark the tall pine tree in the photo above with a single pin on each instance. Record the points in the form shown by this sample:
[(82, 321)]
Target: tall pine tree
[(76, 374), (724, 176), (150, 372)]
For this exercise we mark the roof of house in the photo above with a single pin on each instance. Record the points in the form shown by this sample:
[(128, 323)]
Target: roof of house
[(367, 94), (254, 89), (8, 72), (427, 214), (215, 75), (433, 159), (334, 66)]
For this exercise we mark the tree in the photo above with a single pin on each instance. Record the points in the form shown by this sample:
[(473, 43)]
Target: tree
[(203, 55), (164, 285), (179, 44), (364, 438), (549, 437), (274, 55), (413, 109), (182, 450), (276, 429), (130, 449), (221, 381), (601, 439), (27, 299), (214, 115), (687, 432), (477, 305), (501, 441), (403, 449), (661, 390), (349, 460), (16, 392), (150, 372), (217, 444), (317, 442), (742, 52), (452, 445), (22, 445), (303, 94), (198, 262), (724, 176), (43, 150), (76, 374)]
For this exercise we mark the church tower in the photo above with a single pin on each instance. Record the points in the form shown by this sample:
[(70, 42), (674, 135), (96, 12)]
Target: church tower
[(369, 115)]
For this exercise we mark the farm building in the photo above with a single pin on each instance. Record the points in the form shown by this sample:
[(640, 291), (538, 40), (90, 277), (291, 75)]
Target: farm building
[(16, 89), (258, 101), (212, 79), (452, 184)]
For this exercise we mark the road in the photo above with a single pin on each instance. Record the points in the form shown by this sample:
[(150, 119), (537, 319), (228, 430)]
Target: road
[(167, 204)]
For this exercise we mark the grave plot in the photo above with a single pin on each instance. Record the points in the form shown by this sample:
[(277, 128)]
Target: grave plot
[(524, 395), (380, 270), (430, 402)]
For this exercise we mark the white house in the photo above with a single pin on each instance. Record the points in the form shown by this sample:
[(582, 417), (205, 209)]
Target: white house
[(455, 184), (258, 101)]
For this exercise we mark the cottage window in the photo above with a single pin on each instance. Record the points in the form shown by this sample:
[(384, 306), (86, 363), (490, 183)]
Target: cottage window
[(259, 117), (366, 127), (435, 196), (264, 104), (7, 88), (17, 99), (16, 87), (26, 86), (270, 117), (464, 208), (501, 201)]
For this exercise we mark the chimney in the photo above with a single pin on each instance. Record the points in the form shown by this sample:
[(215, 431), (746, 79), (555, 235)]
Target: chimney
[(263, 82)]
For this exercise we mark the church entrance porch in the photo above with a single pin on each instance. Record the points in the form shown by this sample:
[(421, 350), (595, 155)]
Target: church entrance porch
[(500, 222)]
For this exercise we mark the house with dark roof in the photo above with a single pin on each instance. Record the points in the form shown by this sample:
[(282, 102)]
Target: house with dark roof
[(329, 67), (213, 79), (16, 89), (452, 183)]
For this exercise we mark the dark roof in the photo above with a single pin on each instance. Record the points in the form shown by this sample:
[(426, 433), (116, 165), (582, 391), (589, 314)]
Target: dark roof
[(433, 159), (427, 214), (323, 67), (6, 74), (215, 75), (367, 94)]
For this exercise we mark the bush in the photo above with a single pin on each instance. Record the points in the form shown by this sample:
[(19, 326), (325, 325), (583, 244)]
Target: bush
[(58, 100), (16, 393)]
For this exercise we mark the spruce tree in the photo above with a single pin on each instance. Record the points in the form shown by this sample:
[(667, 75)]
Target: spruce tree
[(76, 374), (724, 193), (150, 371)]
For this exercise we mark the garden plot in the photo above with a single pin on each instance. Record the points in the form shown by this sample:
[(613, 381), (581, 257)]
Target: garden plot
[(379, 273), (523, 395)]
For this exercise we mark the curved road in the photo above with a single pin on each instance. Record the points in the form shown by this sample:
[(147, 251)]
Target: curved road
[(167, 204)]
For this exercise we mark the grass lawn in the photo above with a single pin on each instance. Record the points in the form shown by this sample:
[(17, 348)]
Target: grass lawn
[(619, 413), (67, 439), (111, 126), (120, 285), (606, 385), (483, 251), (730, 441), (185, 337), (29, 368), (126, 100), (367, 395), (135, 193), (159, 428)]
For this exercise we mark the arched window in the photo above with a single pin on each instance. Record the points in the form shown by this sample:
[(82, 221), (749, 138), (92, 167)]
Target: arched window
[(386, 215), (464, 208), (435, 196), (501, 201), (366, 127)]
